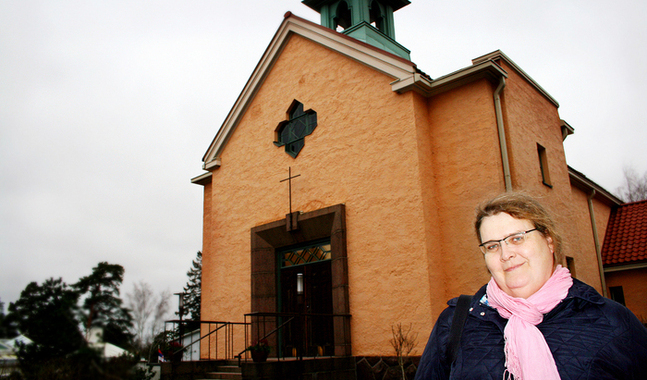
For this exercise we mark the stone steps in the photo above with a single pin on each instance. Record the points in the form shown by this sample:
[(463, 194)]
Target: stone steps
[(228, 371)]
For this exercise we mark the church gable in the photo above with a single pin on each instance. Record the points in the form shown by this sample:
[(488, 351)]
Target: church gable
[(396, 68), (345, 102)]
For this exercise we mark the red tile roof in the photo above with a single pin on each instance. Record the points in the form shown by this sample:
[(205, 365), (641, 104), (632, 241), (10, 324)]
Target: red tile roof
[(625, 241)]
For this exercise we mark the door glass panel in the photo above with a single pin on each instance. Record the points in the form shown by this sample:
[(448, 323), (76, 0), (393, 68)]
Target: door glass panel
[(311, 332), (306, 255)]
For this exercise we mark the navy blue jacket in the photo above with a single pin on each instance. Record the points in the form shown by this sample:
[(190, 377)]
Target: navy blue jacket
[(590, 337)]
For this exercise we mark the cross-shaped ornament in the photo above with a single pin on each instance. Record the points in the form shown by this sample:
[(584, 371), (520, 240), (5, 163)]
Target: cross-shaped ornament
[(291, 219), (289, 179)]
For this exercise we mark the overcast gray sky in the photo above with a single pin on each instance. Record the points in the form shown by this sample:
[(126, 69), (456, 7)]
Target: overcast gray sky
[(106, 108)]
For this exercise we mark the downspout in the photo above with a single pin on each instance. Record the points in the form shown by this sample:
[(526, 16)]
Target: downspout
[(596, 239), (502, 142)]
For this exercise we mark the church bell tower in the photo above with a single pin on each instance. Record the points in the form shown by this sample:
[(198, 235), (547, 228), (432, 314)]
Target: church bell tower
[(370, 21)]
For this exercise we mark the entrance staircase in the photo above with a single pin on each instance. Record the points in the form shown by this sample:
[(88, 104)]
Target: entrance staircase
[(217, 341), (228, 370)]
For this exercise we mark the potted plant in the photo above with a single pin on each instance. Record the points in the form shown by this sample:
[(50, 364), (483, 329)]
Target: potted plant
[(260, 350), (171, 351)]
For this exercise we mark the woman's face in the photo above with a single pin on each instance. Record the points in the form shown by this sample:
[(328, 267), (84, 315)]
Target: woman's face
[(519, 270)]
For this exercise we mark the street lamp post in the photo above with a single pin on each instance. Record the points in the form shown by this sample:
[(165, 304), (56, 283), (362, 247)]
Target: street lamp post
[(181, 312)]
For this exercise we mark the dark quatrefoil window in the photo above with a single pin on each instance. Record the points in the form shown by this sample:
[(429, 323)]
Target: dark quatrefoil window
[(291, 133)]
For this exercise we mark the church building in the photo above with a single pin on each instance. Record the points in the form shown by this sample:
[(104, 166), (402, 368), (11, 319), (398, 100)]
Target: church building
[(343, 185)]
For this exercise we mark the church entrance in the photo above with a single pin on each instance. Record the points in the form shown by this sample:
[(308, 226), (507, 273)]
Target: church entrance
[(312, 244), (305, 285)]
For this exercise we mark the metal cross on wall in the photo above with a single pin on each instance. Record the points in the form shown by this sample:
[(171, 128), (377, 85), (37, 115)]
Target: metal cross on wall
[(289, 179)]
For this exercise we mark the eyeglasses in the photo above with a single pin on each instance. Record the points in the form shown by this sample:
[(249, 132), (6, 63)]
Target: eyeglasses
[(493, 246)]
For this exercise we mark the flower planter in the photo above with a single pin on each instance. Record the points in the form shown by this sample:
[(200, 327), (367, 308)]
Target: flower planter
[(259, 356)]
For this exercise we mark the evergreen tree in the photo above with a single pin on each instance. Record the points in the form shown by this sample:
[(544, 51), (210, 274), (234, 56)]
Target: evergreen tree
[(193, 291), (102, 306), (6, 330), (46, 315), (49, 315)]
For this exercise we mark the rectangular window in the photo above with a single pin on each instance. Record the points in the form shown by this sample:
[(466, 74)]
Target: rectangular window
[(616, 294), (543, 165), (570, 264)]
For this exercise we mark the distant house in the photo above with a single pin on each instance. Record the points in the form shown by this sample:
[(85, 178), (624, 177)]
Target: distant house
[(5, 350), (625, 257), (191, 339), (8, 348), (108, 350)]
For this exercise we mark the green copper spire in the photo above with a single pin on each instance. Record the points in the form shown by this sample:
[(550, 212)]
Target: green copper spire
[(370, 21)]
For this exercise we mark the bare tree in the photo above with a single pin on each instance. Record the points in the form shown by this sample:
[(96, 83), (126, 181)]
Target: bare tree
[(162, 308), (149, 311), (404, 341), (634, 188), (140, 302)]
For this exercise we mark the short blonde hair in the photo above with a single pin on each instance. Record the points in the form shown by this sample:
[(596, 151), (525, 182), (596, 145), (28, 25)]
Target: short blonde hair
[(522, 206)]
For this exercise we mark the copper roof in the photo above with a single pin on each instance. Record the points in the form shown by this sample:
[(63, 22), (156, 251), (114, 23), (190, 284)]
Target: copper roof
[(625, 241)]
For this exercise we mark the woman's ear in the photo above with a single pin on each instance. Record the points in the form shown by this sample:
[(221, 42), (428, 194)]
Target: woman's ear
[(551, 246)]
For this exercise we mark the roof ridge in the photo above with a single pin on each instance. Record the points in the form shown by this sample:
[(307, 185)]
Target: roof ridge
[(633, 203)]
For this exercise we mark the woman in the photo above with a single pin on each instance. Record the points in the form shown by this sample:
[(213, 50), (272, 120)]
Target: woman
[(532, 320)]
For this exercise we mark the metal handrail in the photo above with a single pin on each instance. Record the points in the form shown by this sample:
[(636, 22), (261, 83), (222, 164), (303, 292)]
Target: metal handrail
[(220, 325), (224, 324), (292, 317), (228, 327), (265, 337)]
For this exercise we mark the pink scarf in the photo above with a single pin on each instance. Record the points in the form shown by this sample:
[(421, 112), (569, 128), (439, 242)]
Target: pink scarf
[(527, 354)]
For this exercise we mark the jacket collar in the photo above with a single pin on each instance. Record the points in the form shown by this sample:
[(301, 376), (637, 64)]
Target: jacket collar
[(578, 290), (585, 292), (480, 308)]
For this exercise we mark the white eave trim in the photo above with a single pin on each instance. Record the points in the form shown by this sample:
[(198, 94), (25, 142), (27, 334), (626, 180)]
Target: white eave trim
[(567, 130), (498, 54), (625, 267), (387, 63), (202, 178), (427, 87), (580, 180), (213, 164)]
